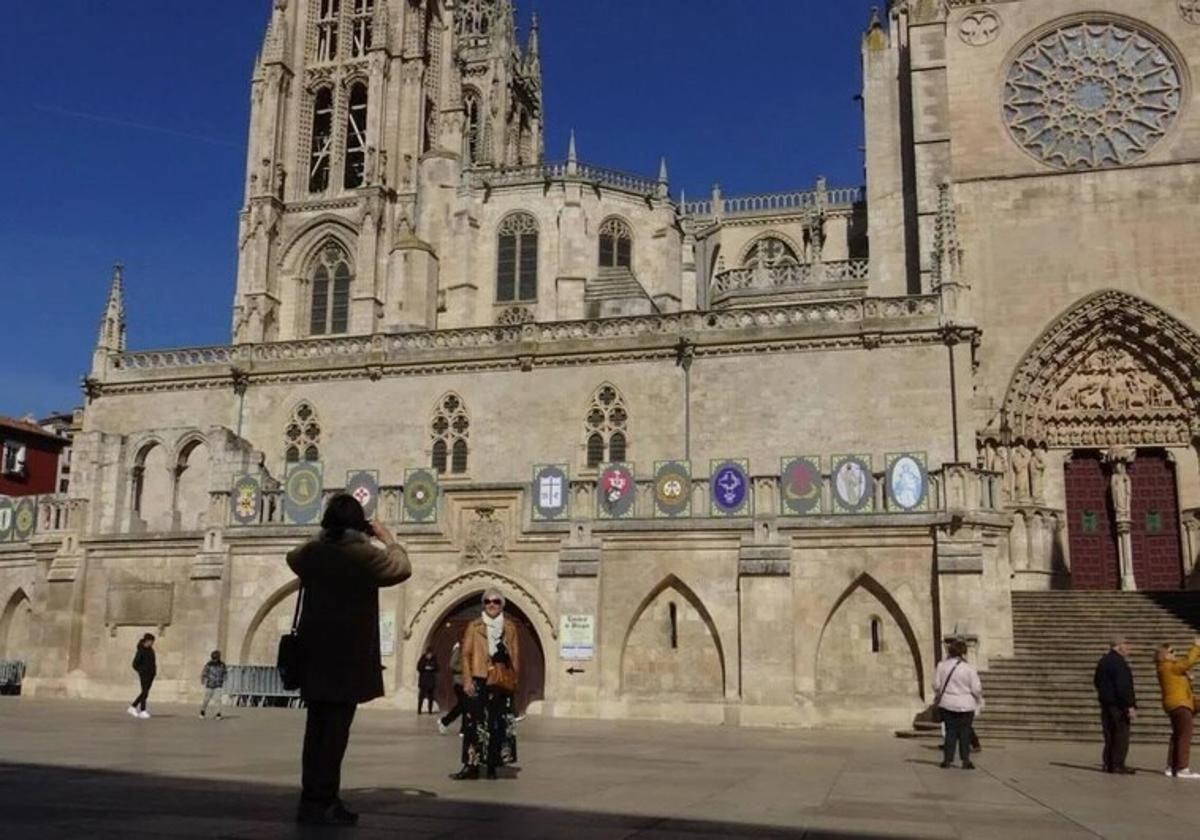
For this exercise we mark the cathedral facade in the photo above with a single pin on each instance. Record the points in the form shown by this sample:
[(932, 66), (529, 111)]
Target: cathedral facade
[(743, 459)]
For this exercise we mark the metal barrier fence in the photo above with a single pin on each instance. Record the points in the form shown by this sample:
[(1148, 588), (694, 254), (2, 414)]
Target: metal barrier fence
[(258, 685), (11, 674)]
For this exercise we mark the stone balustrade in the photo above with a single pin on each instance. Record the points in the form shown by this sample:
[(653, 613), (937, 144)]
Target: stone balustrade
[(771, 203), (563, 171), (791, 277), (518, 338)]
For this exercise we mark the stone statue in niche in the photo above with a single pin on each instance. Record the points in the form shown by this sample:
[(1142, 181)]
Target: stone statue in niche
[(1020, 468), (1037, 474), (1122, 492), (1000, 465)]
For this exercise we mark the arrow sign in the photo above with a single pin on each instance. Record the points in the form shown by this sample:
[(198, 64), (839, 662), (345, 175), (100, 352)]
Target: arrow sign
[(573, 670)]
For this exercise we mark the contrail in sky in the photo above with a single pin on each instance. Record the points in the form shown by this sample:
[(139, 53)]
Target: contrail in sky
[(99, 118)]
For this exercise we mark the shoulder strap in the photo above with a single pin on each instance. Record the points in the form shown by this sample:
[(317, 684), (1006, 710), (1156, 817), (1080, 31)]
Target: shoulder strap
[(296, 614), (938, 699)]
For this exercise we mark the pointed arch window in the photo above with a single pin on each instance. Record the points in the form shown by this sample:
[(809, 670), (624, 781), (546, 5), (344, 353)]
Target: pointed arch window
[(331, 280), (356, 137), (451, 432), (361, 26), (473, 18), (768, 252), (616, 244), (328, 12), (322, 140), (607, 427), (473, 128), (517, 258), (302, 437)]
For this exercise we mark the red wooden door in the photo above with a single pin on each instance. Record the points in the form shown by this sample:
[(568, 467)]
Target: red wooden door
[(1157, 558), (1091, 533), (449, 630)]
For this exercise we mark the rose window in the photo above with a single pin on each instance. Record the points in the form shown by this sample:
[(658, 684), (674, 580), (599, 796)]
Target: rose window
[(1092, 94)]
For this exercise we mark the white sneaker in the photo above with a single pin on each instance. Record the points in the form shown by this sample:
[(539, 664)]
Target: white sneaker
[(132, 710), (144, 715), (1187, 773), (442, 730)]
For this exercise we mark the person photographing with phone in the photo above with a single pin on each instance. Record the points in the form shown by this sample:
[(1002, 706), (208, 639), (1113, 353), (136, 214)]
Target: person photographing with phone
[(341, 572)]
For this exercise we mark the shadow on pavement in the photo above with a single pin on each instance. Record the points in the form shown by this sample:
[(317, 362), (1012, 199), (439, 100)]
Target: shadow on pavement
[(47, 802)]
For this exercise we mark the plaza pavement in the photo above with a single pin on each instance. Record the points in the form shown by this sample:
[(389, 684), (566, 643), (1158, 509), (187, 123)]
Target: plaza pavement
[(86, 769)]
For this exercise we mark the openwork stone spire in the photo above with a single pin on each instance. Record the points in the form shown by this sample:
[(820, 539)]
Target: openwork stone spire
[(112, 325), (947, 250)]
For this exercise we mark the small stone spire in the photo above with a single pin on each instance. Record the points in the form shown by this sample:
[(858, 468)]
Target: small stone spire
[(572, 158), (947, 249), (663, 180), (112, 325), (533, 57), (874, 38)]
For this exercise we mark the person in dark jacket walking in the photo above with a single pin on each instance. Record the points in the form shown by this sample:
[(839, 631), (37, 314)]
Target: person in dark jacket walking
[(146, 665), (427, 671), (213, 680), (1118, 704), (340, 573)]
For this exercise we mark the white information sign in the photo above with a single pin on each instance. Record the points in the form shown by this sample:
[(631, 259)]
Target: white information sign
[(387, 633), (577, 637)]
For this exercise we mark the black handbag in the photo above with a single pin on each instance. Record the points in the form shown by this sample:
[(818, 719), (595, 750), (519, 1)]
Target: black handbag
[(289, 660)]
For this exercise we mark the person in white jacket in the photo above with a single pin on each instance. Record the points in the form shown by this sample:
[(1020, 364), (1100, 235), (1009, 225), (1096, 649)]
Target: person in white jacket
[(958, 695)]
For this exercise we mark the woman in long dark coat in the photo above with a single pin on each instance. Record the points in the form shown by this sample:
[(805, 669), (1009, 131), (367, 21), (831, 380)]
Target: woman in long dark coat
[(427, 671), (340, 573)]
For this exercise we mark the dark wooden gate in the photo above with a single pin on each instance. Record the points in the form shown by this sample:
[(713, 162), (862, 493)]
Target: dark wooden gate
[(1091, 532), (1157, 558), (450, 629)]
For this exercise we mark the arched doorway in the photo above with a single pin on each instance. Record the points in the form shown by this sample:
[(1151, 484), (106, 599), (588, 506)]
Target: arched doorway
[(450, 629)]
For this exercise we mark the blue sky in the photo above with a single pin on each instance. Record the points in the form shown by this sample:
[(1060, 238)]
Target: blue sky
[(125, 142)]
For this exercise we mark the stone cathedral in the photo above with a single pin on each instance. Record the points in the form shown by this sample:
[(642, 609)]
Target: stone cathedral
[(741, 459)]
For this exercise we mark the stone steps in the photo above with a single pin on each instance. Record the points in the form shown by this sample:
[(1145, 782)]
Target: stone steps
[(1044, 691)]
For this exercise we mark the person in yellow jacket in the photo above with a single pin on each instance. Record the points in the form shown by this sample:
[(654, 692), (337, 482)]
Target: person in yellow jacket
[(1180, 705)]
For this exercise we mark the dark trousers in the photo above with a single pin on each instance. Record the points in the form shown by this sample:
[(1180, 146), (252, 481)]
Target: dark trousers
[(325, 736), (425, 695), (1180, 753), (139, 702), (1115, 722), (959, 726), (460, 699)]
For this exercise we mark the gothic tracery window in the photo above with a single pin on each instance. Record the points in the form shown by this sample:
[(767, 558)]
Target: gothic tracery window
[(328, 13), (302, 437), (768, 252), (517, 258), (451, 431), (1089, 94), (473, 129), (473, 18), (331, 279), (606, 428), (356, 137), (361, 24), (322, 140), (616, 244)]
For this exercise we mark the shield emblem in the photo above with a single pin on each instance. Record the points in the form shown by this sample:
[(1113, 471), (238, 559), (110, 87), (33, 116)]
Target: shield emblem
[(363, 485), (302, 492), (615, 491), (245, 501), (6, 518), (853, 484), (549, 493), (24, 518), (420, 496), (907, 481), (729, 488), (800, 484), (672, 489)]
